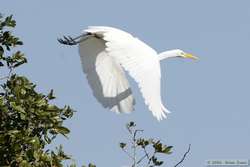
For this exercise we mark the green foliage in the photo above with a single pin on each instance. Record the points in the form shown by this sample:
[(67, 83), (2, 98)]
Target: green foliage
[(28, 119), (142, 151), (8, 41), (28, 123), (90, 165)]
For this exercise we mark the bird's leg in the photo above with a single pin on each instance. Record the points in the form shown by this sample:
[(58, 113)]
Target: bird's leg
[(73, 41)]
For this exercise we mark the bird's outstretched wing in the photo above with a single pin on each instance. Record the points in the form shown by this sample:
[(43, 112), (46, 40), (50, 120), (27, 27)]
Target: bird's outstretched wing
[(139, 60), (105, 76)]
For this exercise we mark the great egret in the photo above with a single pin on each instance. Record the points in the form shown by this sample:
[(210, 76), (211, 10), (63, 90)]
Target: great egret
[(105, 52)]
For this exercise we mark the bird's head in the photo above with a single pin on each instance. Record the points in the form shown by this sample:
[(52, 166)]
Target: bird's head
[(182, 54), (176, 53)]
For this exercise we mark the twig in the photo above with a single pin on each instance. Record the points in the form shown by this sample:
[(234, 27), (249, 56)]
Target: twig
[(127, 154), (142, 158), (150, 159), (135, 133), (184, 156), (134, 148), (146, 155), (145, 151)]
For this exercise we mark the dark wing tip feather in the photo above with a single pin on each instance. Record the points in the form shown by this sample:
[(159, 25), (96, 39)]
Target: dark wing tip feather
[(67, 40)]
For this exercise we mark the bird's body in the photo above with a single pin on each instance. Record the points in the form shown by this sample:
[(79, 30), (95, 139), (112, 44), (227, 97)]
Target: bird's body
[(105, 52)]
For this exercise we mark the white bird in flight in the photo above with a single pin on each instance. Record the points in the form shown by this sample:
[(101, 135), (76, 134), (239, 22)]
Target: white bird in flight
[(106, 52)]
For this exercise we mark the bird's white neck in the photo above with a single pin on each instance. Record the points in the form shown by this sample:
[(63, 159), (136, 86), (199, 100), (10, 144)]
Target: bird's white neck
[(168, 54)]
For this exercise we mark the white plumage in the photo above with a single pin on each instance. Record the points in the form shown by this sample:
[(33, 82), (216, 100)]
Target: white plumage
[(105, 52)]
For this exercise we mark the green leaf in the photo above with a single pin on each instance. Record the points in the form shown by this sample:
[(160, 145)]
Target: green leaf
[(156, 162), (51, 95), (123, 145), (41, 102), (131, 124), (24, 163), (35, 142), (13, 132), (62, 130), (167, 150), (19, 109), (91, 165)]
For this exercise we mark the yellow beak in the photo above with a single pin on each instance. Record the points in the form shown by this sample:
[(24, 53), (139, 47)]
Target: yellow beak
[(190, 56)]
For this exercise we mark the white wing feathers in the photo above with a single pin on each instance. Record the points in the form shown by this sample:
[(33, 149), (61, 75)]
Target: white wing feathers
[(137, 58), (105, 77)]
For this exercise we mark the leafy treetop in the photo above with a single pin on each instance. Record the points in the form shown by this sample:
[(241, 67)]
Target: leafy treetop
[(28, 119)]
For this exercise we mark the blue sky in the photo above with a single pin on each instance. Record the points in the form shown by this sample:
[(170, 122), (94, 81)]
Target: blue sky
[(209, 98)]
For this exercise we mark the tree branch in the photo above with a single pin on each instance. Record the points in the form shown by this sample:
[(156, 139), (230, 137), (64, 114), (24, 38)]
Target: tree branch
[(141, 159), (150, 159), (184, 156), (127, 153), (145, 151)]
